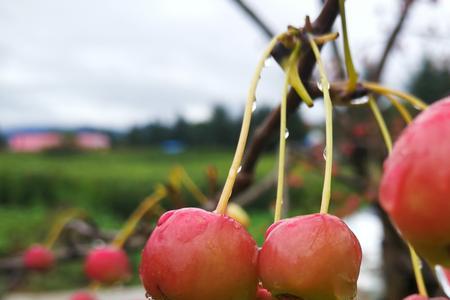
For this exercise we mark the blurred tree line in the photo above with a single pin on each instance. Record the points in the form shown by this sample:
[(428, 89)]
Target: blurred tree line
[(431, 82), (220, 130)]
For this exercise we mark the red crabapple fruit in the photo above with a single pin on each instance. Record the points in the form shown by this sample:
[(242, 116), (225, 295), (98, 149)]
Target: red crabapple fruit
[(193, 254), (82, 295), (419, 297), (263, 294), (312, 257), (107, 264), (39, 258), (415, 187)]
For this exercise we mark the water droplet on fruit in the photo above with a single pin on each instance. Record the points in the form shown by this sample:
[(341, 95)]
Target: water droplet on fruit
[(286, 134), (239, 169), (254, 106), (360, 100), (148, 297), (443, 280)]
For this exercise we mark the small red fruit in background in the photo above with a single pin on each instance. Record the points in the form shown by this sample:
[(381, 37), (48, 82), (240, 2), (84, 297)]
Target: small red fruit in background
[(82, 295), (107, 264), (194, 254), (415, 187), (38, 258), (313, 257), (419, 297)]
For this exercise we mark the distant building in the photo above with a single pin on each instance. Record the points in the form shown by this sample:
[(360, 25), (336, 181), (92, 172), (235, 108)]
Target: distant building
[(92, 141), (34, 141)]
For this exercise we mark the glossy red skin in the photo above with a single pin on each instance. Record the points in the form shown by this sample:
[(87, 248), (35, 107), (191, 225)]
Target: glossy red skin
[(194, 254), (82, 295), (418, 297), (107, 265), (38, 258), (312, 257), (415, 187), (263, 294)]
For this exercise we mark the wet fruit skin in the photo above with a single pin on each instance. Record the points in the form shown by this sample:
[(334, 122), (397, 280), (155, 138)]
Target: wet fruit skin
[(194, 254), (107, 264), (82, 295), (418, 297), (312, 257), (415, 187), (38, 258), (263, 294)]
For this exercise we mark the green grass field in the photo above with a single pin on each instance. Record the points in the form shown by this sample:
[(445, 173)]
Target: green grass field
[(34, 188)]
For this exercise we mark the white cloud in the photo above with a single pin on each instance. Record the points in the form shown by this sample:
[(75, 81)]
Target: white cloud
[(116, 64)]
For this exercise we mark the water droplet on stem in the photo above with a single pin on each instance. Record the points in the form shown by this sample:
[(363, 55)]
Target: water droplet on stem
[(360, 101), (286, 134), (254, 106), (239, 169)]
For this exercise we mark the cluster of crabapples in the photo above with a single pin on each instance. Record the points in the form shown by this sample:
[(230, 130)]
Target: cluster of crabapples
[(103, 264), (193, 254), (196, 254)]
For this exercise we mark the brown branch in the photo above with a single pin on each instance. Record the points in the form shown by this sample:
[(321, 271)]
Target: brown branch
[(375, 75), (251, 14), (321, 25)]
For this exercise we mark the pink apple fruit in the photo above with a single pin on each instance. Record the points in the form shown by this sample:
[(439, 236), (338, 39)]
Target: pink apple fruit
[(419, 297), (312, 257), (107, 265), (82, 295), (39, 258), (194, 254), (415, 188)]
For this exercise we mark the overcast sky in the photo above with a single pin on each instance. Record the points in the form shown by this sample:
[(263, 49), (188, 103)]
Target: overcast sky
[(116, 63)]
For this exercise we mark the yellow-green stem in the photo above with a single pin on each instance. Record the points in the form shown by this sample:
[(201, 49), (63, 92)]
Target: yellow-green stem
[(381, 123), (137, 215), (325, 38), (282, 149), (415, 260), (352, 75), (294, 76), (59, 225), (192, 187), (400, 108), (416, 263), (251, 98), (326, 192), (377, 88)]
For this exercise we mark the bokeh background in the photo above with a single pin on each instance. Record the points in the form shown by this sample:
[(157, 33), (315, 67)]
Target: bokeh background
[(100, 100)]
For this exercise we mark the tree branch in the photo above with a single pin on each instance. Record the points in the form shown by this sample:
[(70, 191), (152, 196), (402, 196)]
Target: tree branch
[(321, 25), (375, 75), (250, 13)]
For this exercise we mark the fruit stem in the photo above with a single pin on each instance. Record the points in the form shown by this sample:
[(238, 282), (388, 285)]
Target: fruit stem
[(59, 225), (326, 192), (292, 64), (388, 141), (400, 108), (381, 123), (192, 187), (137, 215), (377, 88), (251, 98), (352, 75), (416, 263), (294, 77)]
